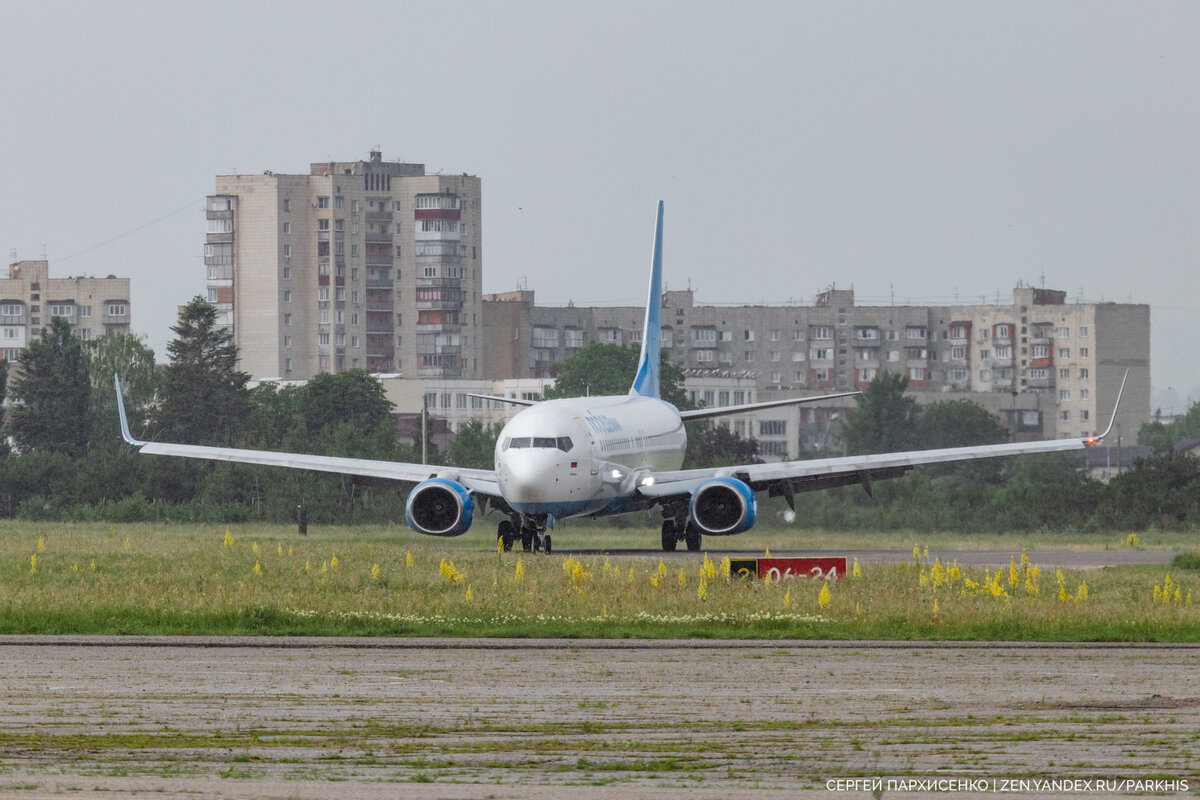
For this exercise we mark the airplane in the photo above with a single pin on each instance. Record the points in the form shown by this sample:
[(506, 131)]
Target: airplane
[(597, 456)]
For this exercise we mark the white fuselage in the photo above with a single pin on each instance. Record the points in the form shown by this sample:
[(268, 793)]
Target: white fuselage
[(583, 455)]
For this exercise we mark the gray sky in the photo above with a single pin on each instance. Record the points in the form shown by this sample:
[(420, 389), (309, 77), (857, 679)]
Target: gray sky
[(931, 149)]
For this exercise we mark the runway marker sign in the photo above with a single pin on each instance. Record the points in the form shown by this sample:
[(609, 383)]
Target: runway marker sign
[(828, 568)]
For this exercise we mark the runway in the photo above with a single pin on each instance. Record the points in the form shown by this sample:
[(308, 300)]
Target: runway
[(179, 717)]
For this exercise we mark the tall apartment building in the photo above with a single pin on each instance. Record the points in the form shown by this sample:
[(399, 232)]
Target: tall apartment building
[(1046, 367), (29, 297), (369, 264)]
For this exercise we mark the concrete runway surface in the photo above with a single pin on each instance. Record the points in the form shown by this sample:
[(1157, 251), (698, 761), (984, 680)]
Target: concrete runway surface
[(302, 718)]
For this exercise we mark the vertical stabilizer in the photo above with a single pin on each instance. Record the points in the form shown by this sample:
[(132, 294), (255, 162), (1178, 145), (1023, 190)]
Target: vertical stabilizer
[(646, 382)]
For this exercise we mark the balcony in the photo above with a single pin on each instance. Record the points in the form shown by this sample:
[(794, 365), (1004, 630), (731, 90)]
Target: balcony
[(379, 216), (379, 283), (380, 326), (378, 305), (445, 327), (379, 237)]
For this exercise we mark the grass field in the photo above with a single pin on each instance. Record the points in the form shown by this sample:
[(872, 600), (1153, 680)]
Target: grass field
[(387, 581)]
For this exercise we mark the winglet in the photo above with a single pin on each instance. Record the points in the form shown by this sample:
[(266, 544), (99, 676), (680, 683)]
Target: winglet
[(1095, 439), (121, 411), (647, 381)]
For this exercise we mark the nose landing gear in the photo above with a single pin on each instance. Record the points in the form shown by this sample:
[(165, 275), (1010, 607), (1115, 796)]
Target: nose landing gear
[(532, 532)]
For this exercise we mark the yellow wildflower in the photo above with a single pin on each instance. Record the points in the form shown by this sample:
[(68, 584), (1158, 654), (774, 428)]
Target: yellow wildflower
[(126, 544), (279, 549), (33, 562), (662, 569), (654, 581), (1081, 594), (257, 568), (408, 559), (374, 572), (254, 548), (927, 554), (916, 552), (682, 578), (856, 571), (787, 598), (767, 554), (935, 607), (41, 544), (1062, 594), (702, 592), (229, 540), (93, 566), (468, 592), (725, 566), (519, 574), (1014, 578), (937, 574), (823, 597), (289, 551), (333, 562), (1178, 598)]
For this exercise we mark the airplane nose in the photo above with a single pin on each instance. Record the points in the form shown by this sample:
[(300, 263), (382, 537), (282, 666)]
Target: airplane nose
[(528, 478)]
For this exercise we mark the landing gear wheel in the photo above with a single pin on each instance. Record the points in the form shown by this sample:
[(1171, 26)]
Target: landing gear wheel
[(526, 539), (504, 533), (546, 543), (668, 536), (692, 536)]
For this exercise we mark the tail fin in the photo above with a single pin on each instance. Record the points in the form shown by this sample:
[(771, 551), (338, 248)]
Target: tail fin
[(646, 383)]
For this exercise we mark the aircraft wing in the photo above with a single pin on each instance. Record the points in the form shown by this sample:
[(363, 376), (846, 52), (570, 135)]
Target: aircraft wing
[(786, 478), (790, 477), (477, 480), (720, 411)]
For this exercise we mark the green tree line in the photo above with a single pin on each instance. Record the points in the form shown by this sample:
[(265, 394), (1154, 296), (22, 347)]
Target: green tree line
[(68, 460)]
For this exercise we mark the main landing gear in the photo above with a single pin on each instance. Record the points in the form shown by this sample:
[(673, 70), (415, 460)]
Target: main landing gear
[(532, 533), (674, 530)]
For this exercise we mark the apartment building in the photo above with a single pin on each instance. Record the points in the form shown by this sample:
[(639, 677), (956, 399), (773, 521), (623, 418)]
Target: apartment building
[(29, 297), (365, 264), (1047, 368)]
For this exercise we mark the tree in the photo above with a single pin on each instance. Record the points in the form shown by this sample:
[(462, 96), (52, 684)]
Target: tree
[(52, 407), (1162, 489), (959, 423), (474, 445), (608, 369), (885, 420), (717, 446), (126, 355), (203, 396), (352, 396)]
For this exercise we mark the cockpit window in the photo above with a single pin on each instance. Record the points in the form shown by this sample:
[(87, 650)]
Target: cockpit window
[(560, 442)]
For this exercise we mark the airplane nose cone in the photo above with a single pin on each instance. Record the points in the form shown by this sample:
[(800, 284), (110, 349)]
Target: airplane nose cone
[(528, 478)]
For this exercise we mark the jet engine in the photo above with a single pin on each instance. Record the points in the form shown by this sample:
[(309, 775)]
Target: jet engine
[(439, 507), (723, 506)]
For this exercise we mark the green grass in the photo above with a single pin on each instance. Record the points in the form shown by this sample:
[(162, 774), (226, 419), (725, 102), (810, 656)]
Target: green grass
[(154, 579)]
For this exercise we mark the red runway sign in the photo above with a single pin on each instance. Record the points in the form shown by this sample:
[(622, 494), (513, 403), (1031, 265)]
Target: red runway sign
[(827, 568)]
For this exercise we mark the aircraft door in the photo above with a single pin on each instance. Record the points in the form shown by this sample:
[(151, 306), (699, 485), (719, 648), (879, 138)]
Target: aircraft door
[(593, 456)]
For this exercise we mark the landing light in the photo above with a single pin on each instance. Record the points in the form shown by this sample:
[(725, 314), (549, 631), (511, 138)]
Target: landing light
[(616, 473), (648, 480)]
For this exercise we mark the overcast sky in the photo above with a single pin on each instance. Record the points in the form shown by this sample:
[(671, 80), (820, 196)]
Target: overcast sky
[(921, 150)]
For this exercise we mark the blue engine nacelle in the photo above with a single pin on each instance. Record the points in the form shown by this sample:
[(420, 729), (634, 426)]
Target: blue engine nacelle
[(723, 507), (439, 507)]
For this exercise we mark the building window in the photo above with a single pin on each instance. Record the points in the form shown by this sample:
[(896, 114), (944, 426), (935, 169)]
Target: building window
[(1083, 352), (60, 310), (323, 202), (772, 427), (323, 293), (287, 295), (1083, 372), (287, 320), (797, 335), (822, 333), (1064, 333), (339, 202), (287, 205), (287, 341), (287, 228), (1064, 352), (1084, 394), (1064, 374), (748, 335), (1083, 331), (212, 295), (1064, 415), (1064, 394)]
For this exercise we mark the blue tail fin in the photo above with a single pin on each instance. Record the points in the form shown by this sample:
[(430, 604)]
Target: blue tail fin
[(646, 383)]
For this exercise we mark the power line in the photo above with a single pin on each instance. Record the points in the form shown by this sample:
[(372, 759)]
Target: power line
[(118, 237)]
